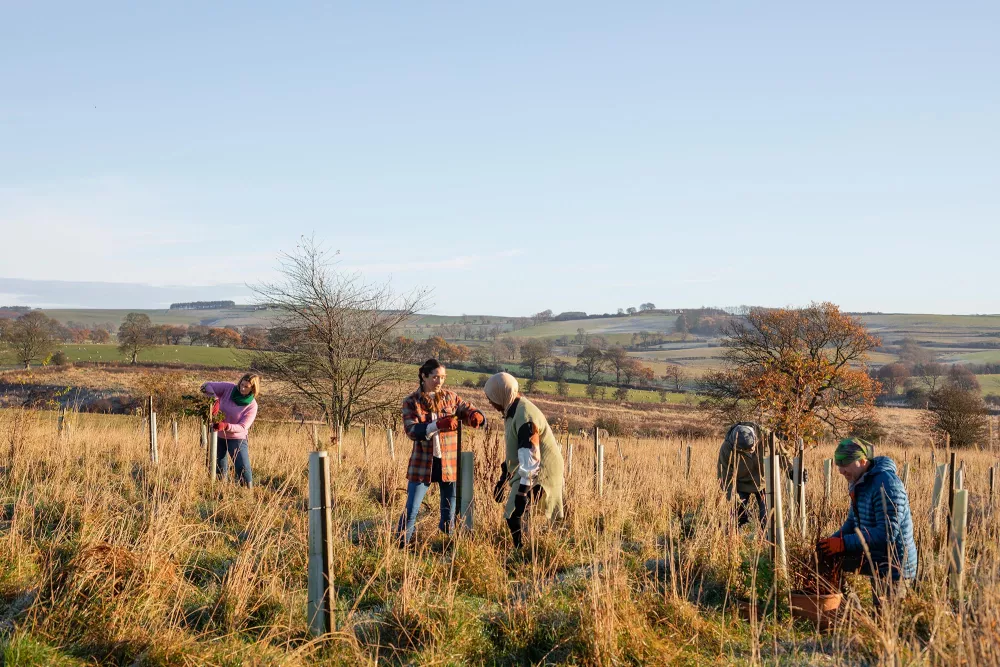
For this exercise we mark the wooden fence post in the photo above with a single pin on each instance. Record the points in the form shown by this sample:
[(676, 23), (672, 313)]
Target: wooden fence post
[(173, 427), (993, 470), (569, 460), (61, 423), (390, 443), (618, 444), (316, 446), (364, 439), (800, 488), (906, 473), (320, 599), (827, 477), (204, 435), (687, 467)]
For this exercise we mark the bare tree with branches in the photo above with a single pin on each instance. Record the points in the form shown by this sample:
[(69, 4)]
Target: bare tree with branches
[(336, 336)]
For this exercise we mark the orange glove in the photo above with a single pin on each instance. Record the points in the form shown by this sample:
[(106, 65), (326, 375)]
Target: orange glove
[(449, 423), (830, 546), (476, 419)]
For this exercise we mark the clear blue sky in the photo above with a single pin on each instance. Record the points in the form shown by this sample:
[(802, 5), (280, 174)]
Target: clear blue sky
[(513, 156)]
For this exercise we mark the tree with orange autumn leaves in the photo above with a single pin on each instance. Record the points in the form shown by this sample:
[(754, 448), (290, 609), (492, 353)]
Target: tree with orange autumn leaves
[(801, 372)]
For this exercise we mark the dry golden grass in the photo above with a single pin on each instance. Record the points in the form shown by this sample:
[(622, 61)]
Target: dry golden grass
[(107, 559)]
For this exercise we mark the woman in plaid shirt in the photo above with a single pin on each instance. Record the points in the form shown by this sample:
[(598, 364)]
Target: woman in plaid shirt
[(430, 419)]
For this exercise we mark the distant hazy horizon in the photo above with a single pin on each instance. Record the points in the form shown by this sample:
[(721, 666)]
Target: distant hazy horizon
[(71, 295)]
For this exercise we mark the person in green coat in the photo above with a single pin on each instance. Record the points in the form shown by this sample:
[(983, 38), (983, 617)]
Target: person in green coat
[(533, 468)]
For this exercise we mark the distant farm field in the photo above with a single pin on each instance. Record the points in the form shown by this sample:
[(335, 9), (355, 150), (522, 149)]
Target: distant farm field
[(160, 354)]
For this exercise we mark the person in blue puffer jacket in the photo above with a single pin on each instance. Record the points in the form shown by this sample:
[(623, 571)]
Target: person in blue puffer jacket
[(880, 512)]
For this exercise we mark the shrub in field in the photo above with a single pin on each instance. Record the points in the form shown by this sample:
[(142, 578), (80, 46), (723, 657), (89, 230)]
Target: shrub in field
[(959, 413), (614, 426), (58, 358)]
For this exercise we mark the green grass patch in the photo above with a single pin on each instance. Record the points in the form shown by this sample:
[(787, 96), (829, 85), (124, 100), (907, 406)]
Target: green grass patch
[(159, 354)]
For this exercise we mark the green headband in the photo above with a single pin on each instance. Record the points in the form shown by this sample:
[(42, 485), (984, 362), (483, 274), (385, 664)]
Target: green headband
[(850, 450)]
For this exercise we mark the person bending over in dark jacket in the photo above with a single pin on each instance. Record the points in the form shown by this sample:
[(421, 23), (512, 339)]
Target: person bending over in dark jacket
[(880, 515)]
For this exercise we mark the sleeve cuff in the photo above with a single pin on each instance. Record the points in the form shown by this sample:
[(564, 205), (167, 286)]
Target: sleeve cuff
[(430, 430)]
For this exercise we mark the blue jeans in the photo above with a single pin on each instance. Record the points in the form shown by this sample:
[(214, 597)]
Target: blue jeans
[(239, 450), (415, 492)]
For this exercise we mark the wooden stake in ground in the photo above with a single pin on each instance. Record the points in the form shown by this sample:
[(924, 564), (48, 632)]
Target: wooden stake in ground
[(60, 425), (906, 473), (827, 478), (204, 435), (173, 428), (618, 444), (320, 605), (569, 460), (993, 470), (316, 446), (687, 466), (390, 443), (364, 439)]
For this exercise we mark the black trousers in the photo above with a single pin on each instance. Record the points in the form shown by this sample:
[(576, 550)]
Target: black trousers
[(743, 511), (524, 497)]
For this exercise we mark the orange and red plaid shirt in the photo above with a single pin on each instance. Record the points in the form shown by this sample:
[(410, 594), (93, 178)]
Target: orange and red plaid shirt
[(417, 410)]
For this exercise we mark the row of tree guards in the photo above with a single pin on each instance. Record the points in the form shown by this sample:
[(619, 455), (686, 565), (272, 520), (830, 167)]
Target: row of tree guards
[(777, 487)]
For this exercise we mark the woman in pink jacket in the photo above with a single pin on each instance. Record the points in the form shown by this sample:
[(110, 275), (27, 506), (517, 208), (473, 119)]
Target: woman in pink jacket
[(239, 405)]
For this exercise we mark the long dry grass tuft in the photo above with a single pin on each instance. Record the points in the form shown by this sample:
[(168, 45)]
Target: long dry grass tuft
[(108, 559)]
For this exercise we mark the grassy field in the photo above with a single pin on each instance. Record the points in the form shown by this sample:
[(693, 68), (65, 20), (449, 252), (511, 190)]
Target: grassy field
[(110, 560), (175, 354), (230, 358), (989, 383), (603, 326), (238, 316)]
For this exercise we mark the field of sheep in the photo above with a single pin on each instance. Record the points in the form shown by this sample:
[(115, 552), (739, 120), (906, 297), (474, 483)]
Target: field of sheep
[(107, 558)]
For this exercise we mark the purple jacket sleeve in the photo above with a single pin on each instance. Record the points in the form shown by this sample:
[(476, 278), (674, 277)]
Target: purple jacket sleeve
[(239, 430), (219, 389)]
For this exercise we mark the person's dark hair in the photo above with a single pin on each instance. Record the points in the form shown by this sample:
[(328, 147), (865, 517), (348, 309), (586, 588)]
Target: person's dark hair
[(426, 369)]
